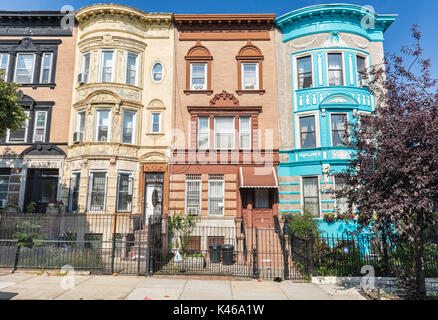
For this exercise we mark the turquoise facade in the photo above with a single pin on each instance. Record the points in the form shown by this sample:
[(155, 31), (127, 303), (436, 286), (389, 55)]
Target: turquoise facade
[(323, 30)]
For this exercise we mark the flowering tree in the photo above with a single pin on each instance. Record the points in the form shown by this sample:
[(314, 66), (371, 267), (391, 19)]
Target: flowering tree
[(393, 179)]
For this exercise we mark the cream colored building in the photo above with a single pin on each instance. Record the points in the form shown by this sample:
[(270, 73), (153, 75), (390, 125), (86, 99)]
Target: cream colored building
[(121, 115)]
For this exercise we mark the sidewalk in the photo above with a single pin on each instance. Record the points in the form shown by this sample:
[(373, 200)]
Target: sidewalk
[(23, 286)]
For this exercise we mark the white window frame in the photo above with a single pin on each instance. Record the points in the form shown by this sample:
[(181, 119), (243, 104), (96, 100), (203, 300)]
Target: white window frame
[(187, 181), (223, 197), (234, 134), (298, 128), (134, 125), (33, 67), (90, 181), (130, 189), (78, 121), (35, 125), (96, 124), (306, 55), (2, 54), (151, 124), (50, 67), (152, 72), (257, 87), (336, 198), (136, 68), (330, 123), (70, 192), (344, 75), (240, 133), (7, 191), (208, 133), (101, 64), (87, 72), (25, 132), (205, 75), (357, 70), (319, 192)]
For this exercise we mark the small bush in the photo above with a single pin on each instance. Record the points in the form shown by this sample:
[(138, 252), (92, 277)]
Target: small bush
[(302, 225)]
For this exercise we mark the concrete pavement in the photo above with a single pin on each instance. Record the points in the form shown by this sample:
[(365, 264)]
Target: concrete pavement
[(23, 286)]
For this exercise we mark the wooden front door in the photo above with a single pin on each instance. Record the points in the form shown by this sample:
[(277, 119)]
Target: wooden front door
[(257, 207)]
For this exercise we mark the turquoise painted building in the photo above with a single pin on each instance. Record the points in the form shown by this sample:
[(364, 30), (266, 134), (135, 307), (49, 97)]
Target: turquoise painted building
[(323, 54)]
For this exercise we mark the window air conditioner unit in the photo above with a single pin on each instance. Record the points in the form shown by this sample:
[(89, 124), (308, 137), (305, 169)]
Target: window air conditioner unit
[(198, 87), (78, 137), (39, 138), (82, 78)]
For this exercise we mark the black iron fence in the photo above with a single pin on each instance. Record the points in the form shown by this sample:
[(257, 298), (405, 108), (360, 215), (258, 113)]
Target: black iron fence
[(129, 244), (346, 255)]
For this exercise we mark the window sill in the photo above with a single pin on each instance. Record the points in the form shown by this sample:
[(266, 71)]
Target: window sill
[(155, 133), (207, 92), (38, 85), (260, 92)]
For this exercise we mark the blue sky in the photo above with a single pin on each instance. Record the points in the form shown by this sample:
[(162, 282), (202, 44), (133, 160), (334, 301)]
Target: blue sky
[(422, 12)]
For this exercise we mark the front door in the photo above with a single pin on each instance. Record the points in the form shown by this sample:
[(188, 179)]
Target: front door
[(41, 188), (153, 195)]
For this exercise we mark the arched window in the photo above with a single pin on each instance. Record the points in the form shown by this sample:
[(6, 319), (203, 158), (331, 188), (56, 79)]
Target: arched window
[(157, 72), (250, 70), (198, 79)]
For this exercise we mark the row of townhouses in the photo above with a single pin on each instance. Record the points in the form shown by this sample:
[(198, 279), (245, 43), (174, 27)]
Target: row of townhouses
[(220, 115)]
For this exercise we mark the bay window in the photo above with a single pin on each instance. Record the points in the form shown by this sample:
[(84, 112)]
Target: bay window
[(80, 124), (102, 130), (224, 132), (307, 132), (132, 69), (304, 66), (335, 69), (361, 68), (86, 66), (311, 195), (128, 130), (339, 130), (25, 66), (106, 66)]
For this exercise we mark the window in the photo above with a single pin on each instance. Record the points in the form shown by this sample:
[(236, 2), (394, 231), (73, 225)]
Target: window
[(361, 69), (203, 132), (39, 133), (46, 68), (216, 194), (86, 66), (341, 203), (339, 130), (124, 192), (304, 72), (335, 71), (198, 76), (311, 195), (80, 123), (19, 135), (97, 192), (155, 122), (74, 191), (307, 132), (128, 130), (48, 183), (131, 68), (102, 125), (157, 72), (261, 198), (4, 186), (25, 68), (245, 132), (106, 66), (224, 132), (193, 194), (250, 78), (4, 64)]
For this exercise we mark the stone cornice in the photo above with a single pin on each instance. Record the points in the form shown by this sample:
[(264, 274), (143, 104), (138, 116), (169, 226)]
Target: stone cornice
[(100, 10), (224, 21)]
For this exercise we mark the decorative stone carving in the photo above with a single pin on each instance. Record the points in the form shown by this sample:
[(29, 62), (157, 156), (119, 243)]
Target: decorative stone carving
[(224, 99)]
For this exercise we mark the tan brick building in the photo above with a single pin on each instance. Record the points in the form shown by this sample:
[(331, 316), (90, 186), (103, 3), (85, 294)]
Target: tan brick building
[(225, 119), (37, 52)]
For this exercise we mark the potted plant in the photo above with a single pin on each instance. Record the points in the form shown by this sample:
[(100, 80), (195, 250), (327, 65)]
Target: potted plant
[(330, 217), (12, 207), (54, 206)]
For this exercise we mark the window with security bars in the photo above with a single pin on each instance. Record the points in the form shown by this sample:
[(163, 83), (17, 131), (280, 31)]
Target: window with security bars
[(4, 186), (124, 192), (193, 194), (97, 192), (216, 195), (311, 195)]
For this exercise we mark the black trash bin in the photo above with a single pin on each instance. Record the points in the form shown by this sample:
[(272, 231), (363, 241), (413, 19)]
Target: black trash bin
[(215, 253), (228, 255)]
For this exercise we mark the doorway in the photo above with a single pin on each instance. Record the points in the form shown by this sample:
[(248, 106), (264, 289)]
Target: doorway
[(153, 196), (41, 188)]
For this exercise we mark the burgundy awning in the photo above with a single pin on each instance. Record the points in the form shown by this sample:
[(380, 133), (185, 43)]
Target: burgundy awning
[(258, 177)]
